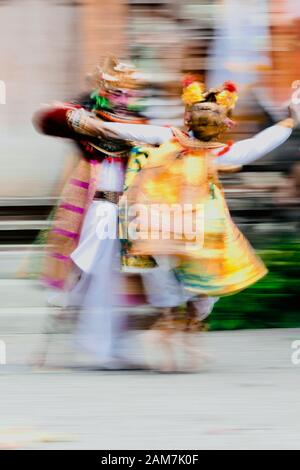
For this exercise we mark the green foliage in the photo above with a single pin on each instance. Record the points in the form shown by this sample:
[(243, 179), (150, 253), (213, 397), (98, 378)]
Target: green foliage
[(271, 303)]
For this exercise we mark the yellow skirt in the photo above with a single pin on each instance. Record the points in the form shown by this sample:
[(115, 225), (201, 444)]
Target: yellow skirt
[(226, 263)]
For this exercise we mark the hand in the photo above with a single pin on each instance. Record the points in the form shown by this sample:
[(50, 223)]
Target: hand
[(294, 109), (295, 101)]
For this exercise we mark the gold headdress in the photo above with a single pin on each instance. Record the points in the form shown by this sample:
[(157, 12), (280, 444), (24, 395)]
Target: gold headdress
[(116, 74), (118, 95), (194, 92)]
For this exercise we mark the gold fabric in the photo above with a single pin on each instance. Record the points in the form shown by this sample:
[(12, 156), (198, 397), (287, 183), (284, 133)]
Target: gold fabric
[(213, 260)]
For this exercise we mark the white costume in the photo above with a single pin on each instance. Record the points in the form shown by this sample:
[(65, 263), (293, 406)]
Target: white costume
[(97, 257), (100, 324)]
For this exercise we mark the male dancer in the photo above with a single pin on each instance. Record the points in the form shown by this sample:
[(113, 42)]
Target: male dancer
[(81, 259)]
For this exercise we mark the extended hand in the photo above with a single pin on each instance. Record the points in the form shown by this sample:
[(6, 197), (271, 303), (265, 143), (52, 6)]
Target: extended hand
[(295, 110)]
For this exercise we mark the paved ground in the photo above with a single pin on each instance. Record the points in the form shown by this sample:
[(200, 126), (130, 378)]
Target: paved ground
[(246, 397)]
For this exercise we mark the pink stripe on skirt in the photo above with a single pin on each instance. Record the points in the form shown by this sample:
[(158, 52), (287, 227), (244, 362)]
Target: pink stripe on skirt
[(72, 208), (58, 283), (66, 233), (79, 183), (60, 257)]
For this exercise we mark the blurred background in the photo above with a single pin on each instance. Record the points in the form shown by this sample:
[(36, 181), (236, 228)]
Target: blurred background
[(48, 48), (247, 394)]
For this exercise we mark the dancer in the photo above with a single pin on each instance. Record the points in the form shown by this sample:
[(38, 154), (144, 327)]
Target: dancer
[(82, 259), (184, 169)]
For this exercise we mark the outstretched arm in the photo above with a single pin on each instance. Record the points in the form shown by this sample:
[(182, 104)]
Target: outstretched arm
[(249, 150), (145, 133), (52, 120), (83, 123)]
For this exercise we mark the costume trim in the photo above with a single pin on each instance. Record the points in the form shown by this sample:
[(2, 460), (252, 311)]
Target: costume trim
[(57, 283), (192, 143), (122, 120), (66, 233), (70, 207), (60, 256), (289, 123), (122, 153), (79, 183)]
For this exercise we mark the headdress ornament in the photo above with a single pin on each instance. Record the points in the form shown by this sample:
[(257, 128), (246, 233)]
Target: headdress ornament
[(117, 96), (194, 91), (115, 74)]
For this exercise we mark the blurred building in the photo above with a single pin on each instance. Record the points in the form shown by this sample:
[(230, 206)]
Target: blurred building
[(51, 46)]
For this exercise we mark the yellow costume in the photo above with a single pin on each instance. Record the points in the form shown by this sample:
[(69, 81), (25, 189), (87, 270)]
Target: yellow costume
[(212, 258)]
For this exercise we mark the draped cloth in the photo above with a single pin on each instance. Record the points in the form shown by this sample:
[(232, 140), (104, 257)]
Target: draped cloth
[(212, 257), (63, 237), (66, 241)]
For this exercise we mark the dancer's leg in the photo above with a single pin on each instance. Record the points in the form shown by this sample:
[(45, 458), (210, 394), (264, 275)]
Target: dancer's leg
[(198, 309)]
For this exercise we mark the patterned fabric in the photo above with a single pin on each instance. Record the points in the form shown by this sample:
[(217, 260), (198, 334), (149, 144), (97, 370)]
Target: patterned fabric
[(64, 236), (137, 160), (219, 260)]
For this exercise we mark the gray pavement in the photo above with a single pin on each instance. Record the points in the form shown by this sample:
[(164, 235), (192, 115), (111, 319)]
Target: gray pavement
[(246, 396)]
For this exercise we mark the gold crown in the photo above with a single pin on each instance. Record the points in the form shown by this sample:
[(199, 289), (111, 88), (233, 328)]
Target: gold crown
[(194, 91), (116, 74)]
